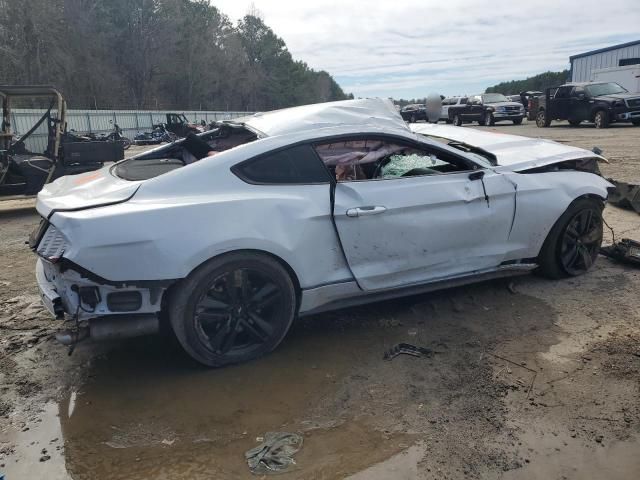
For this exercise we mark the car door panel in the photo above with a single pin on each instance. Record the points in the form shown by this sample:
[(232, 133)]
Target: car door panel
[(578, 106), (424, 228)]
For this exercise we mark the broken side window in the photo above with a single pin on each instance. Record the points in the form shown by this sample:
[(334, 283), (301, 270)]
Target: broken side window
[(375, 159)]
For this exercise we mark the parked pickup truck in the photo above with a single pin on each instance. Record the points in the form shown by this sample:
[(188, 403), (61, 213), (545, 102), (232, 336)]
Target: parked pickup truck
[(414, 112), (599, 102), (486, 109), (450, 102)]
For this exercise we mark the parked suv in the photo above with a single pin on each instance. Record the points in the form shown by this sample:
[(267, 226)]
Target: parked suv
[(601, 103), (486, 109), (450, 102)]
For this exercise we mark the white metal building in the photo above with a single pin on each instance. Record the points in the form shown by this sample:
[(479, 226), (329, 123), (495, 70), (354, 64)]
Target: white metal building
[(583, 64)]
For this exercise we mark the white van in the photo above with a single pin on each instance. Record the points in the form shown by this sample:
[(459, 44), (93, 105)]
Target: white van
[(627, 76)]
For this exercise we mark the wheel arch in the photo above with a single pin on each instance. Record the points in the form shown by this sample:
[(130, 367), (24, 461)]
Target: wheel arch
[(255, 251), (590, 195), (596, 109), (170, 290)]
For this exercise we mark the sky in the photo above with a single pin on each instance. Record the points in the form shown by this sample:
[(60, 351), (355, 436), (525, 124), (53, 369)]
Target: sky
[(410, 48)]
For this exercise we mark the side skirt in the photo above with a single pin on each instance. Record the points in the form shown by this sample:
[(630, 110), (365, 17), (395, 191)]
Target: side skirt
[(343, 295)]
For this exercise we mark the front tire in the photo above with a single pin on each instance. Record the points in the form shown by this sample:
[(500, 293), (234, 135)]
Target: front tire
[(457, 120), (601, 119), (517, 121), (636, 122), (542, 121), (234, 308), (488, 120), (572, 246)]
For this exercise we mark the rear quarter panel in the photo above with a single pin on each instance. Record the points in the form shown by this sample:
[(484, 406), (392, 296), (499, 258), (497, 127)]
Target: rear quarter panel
[(167, 238)]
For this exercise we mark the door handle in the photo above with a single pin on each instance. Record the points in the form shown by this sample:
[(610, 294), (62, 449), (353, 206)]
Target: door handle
[(364, 211)]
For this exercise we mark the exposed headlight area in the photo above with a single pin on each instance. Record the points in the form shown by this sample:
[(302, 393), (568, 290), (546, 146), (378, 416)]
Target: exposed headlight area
[(52, 245)]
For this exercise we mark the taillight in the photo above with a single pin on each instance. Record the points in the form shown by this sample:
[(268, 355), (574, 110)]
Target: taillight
[(52, 245)]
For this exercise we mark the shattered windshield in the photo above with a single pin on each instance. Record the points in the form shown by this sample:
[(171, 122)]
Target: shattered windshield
[(604, 89), (494, 98), (480, 156)]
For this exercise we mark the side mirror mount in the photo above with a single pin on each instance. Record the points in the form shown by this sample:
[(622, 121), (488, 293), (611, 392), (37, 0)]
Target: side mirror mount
[(479, 175)]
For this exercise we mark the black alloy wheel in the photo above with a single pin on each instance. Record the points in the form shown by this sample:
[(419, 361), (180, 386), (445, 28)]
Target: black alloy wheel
[(581, 242), (571, 247), (233, 309), (235, 313)]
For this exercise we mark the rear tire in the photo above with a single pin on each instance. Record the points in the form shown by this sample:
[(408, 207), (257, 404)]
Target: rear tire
[(234, 308), (601, 119), (636, 122), (572, 246), (542, 121), (412, 119), (517, 121), (457, 120)]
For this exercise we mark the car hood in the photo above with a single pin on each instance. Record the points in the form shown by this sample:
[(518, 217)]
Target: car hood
[(512, 152), (618, 96), (374, 112), (87, 190), (504, 104)]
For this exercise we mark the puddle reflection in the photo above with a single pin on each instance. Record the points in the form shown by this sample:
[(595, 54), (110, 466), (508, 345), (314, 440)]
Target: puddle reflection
[(148, 412)]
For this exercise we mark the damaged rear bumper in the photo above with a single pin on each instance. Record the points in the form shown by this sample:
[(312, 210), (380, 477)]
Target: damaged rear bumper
[(107, 311)]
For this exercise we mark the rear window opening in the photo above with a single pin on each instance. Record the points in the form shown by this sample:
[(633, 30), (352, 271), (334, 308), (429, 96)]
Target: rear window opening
[(183, 152)]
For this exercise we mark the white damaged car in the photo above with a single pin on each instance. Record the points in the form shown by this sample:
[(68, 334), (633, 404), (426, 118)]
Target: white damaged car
[(233, 233)]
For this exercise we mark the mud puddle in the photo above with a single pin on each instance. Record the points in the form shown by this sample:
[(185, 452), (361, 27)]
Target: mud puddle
[(147, 412), (613, 460)]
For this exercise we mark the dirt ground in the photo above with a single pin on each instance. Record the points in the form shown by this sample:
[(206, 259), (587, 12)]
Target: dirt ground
[(531, 379)]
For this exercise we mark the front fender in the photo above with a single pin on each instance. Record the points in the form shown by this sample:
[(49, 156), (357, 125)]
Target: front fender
[(541, 199)]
